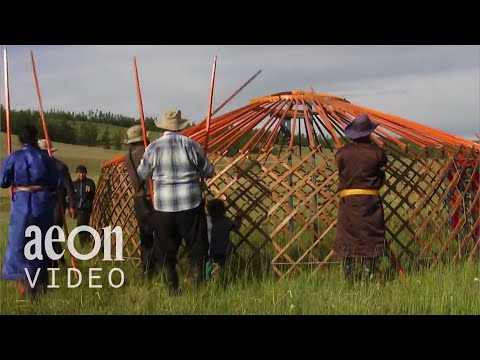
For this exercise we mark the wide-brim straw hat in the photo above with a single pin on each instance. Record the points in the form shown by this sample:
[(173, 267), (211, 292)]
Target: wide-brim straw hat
[(172, 121), (135, 134)]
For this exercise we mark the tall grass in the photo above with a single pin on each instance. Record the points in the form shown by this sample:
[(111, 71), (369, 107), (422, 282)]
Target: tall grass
[(447, 289), (249, 288)]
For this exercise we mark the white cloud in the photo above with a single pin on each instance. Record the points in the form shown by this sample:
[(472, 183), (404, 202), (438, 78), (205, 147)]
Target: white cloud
[(433, 85)]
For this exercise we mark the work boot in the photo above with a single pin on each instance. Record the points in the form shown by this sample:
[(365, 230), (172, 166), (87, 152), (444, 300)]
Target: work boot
[(368, 267), (171, 278), (40, 287), (197, 273), (348, 267)]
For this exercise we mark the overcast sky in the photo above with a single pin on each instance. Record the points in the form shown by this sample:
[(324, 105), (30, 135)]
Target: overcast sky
[(434, 85)]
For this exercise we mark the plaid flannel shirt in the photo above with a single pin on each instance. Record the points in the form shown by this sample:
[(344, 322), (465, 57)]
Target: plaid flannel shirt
[(176, 163)]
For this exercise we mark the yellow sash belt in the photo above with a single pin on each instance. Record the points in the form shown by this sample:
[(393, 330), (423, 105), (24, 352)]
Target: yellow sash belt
[(348, 192)]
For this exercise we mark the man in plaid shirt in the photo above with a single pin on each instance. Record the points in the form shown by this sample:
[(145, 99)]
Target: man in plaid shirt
[(177, 163)]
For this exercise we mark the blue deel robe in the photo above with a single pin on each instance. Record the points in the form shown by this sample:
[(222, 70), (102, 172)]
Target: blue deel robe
[(28, 166)]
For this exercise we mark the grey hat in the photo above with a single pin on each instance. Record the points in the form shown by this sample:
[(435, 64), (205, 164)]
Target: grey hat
[(134, 134), (42, 144)]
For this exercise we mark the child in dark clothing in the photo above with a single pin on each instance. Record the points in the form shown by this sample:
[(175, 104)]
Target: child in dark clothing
[(219, 228)]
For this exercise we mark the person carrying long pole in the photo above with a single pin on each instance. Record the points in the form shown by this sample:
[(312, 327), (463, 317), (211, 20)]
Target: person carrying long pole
[(60, 200)]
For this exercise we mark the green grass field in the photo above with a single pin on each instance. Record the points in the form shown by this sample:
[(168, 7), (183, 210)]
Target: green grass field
[(448, 289)]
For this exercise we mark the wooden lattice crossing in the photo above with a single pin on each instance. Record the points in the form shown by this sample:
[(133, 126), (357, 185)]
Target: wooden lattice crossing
[(285, 185)]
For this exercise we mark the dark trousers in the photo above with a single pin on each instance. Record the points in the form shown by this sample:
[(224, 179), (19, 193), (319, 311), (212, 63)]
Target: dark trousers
[(144, 212), (219, 259), (57, 246), (83, 218), (170, 229)]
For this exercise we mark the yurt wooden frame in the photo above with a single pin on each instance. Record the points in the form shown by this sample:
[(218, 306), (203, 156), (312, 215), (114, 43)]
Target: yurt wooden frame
[(286, 190)]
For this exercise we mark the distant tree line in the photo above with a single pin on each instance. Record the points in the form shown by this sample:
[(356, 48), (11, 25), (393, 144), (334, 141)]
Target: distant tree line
[(76, 128), (87, 129)]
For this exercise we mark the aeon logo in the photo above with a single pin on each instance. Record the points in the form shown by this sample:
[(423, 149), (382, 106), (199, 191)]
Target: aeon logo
[(33, 251)]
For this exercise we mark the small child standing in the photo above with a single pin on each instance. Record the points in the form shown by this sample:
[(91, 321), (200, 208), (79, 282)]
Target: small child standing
[(219, 228)]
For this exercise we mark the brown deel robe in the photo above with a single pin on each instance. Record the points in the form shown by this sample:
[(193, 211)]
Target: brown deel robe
[(360, 223), (132, 160)]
